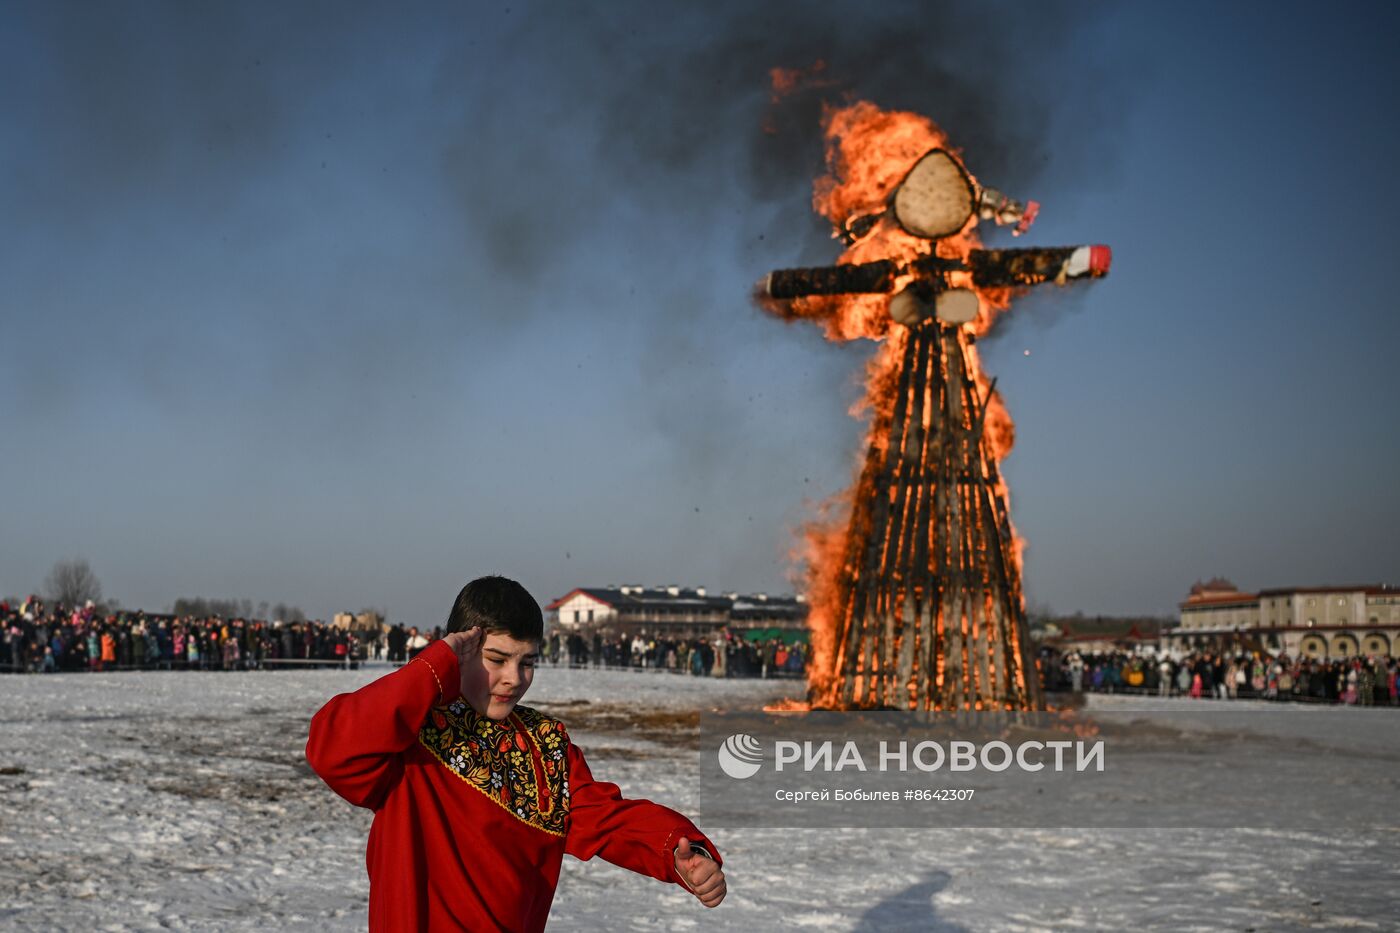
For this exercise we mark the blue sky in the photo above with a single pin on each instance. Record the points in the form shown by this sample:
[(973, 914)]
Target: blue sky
[(342, 305)]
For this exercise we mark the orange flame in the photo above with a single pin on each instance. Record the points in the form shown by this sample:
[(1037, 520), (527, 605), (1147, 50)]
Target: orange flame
[(784, 82)]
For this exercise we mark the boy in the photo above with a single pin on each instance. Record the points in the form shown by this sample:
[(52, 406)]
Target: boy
[(476, 799)]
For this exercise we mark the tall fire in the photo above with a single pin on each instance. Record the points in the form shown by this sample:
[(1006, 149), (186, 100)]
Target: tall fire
[(916, 599)]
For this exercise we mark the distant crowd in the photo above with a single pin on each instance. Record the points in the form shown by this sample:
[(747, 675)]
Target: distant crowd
[(40, 638), (724, 654), (1361, 681)]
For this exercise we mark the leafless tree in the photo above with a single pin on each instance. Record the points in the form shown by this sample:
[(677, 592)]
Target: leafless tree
[(72, 582), (288, 613)]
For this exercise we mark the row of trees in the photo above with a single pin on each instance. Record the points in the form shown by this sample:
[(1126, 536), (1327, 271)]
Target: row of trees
[(237, 609), (73, 583)]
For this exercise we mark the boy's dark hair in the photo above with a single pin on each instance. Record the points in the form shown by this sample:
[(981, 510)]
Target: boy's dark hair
[(497, 604)]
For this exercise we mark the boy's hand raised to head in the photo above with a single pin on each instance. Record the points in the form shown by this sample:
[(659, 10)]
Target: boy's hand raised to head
[(701, 874), (467, 646)]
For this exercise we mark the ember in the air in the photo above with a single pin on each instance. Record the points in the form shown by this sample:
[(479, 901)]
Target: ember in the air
[(916, 597)]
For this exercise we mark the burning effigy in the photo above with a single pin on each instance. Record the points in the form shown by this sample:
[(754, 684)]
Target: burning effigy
[(915, 592)]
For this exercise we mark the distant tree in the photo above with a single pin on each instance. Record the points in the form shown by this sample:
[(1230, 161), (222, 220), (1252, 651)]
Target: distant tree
[(286, 613), (72, 582), (201, 607), (1039, 615), (190, 606)]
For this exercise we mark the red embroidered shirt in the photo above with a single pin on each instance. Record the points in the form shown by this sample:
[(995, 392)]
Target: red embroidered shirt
[(472, 817)]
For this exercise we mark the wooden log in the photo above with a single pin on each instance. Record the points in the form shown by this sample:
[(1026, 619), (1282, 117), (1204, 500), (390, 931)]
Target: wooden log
[(920, 590), (903, 515), (892, 499), (937, 692), (957, 567), (1003, 665), (1020, 663), (980, 619), (869, 513), (1035, 265), (853, 278), (936, 651), (959, 522), (1007, 615), (1005, 686), (989, 268)]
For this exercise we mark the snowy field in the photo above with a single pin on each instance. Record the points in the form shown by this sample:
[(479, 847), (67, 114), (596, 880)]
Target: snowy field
[(182, 801)]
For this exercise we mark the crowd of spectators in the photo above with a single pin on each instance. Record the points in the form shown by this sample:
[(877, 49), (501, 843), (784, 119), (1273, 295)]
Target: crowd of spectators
[(38, 637), (46, 638), (723, 654), (1362, 681)]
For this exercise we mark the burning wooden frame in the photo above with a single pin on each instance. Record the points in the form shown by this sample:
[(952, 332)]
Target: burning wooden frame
[(925, 607)]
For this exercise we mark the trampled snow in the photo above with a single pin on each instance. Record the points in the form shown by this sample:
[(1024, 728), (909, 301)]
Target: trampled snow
[(182, 801)]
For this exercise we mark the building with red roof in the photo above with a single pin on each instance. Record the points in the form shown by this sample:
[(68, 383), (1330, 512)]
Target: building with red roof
[(1308, 621)]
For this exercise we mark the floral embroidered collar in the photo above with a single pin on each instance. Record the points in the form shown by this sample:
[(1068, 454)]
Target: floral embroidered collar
[(520, 764)]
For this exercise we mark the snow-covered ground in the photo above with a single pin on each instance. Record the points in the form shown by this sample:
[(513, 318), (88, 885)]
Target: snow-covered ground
[(182, 801)]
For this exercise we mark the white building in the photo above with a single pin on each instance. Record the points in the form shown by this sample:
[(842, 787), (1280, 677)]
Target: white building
[(672, 610), (1312, 621)]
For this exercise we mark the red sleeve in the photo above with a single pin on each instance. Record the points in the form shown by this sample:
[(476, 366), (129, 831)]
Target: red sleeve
[(635, 834), (357, 739)]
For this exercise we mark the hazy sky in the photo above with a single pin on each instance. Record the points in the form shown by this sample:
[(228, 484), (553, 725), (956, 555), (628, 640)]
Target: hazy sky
[(344, 304)]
